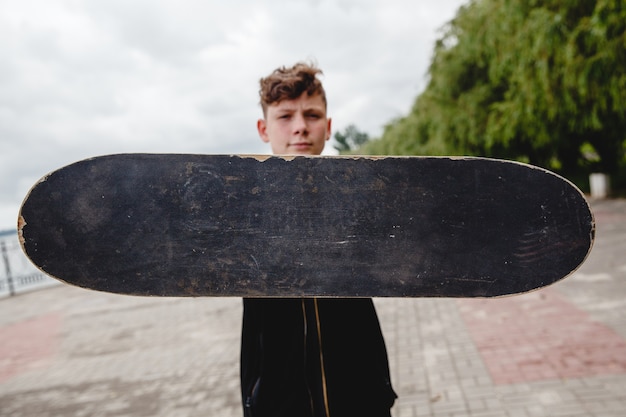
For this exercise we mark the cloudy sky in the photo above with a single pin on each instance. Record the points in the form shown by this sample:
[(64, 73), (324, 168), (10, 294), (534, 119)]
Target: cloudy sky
[(80, 78)]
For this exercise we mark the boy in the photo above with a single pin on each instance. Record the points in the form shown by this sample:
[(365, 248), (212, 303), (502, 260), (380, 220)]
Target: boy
[(309, 357)]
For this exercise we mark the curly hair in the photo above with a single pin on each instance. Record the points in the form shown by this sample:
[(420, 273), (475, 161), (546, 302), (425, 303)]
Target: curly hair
[(290, 83)]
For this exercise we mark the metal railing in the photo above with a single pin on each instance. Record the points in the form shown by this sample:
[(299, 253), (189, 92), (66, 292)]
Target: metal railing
[(17, 273)]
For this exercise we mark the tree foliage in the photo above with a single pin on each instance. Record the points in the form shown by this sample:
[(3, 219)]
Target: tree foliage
[(542, 81), (350, 139)]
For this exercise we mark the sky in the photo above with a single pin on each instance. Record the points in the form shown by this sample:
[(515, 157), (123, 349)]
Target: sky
[(81, 78)]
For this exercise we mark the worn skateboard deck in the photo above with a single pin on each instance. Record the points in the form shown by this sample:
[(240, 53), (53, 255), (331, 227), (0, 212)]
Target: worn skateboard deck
[(201, 225)]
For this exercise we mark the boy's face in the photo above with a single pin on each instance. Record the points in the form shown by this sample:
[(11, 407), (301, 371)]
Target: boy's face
[(296, 127)]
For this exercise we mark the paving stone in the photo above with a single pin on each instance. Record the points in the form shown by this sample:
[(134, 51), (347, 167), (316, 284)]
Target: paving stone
[(557, 352)]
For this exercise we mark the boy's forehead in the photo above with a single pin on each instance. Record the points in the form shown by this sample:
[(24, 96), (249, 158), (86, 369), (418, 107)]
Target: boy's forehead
[(304, 101)]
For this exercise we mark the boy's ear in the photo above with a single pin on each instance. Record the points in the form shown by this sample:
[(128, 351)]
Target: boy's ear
[(261, 127), (329, 128)]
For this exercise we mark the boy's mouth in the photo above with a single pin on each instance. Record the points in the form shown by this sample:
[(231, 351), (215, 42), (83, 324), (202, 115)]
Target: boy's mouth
[(301, 145)]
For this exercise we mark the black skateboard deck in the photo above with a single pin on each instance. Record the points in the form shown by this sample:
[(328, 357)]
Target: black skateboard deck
[(259, 226)]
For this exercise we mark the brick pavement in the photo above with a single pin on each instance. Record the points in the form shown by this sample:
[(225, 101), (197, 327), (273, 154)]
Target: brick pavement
[(555, 352)]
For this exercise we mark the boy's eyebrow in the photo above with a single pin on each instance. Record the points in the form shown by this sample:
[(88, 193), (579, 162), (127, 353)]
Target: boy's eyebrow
[(292, 109), (283, 112)]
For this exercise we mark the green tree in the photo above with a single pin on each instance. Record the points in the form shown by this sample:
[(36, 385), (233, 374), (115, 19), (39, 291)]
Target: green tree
[(350, 139), (542, 81)]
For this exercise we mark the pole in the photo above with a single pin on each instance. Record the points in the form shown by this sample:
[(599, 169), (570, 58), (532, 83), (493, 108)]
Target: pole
[(7, 267)]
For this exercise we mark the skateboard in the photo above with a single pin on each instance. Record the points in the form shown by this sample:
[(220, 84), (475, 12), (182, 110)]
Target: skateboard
[(261, 226)]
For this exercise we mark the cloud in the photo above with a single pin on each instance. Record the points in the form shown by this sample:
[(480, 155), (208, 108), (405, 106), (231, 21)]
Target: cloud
[(81, 78)]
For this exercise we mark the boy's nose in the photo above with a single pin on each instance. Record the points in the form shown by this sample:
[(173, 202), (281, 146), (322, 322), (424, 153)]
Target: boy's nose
[(299, 125)]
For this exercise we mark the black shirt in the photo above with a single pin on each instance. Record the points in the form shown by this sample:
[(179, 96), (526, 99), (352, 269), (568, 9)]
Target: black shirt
[(313, 358)]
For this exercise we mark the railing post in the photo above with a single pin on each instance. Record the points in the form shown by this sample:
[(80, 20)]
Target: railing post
[(7, 268)]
